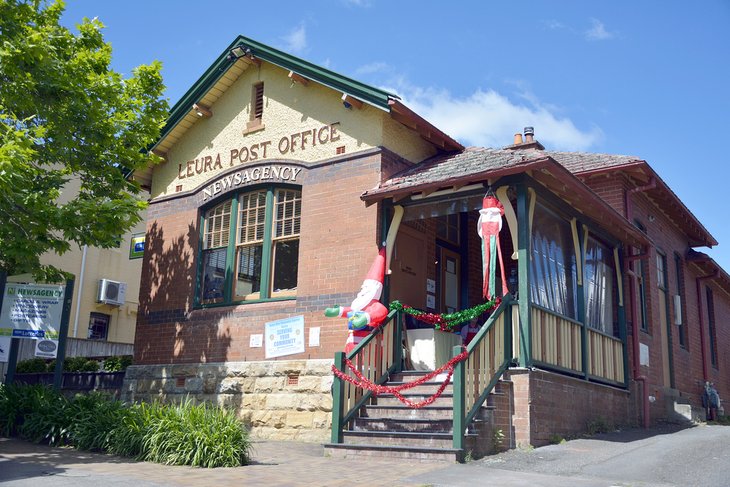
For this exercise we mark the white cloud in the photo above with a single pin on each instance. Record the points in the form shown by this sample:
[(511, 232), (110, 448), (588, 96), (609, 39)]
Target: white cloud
[(371, 68), (553, 24), (490, 119), (358, 3), (296, 40), (598, 32)]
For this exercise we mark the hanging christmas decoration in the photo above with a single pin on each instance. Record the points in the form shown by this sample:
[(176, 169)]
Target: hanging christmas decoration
[(449, 322), (361, 381), (488, 228)]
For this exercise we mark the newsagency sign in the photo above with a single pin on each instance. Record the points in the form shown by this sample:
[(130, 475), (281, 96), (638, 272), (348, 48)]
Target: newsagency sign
[(31, 310)]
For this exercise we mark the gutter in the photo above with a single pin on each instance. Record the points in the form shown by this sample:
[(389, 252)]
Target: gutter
[(633, 286)]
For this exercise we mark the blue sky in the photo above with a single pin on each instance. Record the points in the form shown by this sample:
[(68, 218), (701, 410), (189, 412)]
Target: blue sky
[(647, 78)]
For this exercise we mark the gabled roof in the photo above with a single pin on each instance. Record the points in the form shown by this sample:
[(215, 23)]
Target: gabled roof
[(709, 267), (227, 68), (475, 165)]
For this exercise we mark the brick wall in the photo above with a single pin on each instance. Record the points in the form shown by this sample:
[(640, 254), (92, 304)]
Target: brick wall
[(338, 242)]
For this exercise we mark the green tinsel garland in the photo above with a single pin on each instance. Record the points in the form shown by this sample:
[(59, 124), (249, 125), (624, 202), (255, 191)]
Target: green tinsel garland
[(446, 322)]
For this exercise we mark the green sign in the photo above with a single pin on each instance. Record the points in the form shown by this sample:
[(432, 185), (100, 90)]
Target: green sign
[(31, 310)]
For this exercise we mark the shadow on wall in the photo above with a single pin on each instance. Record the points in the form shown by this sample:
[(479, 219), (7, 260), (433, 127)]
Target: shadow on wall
[(171, 331)]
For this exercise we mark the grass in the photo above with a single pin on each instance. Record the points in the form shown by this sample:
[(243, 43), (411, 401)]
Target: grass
[(192, 434)]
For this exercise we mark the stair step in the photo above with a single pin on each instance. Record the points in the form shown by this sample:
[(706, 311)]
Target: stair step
[(403, 424), (395, 438), (401, 411), (425, 388), (342, 450), (446, 400)]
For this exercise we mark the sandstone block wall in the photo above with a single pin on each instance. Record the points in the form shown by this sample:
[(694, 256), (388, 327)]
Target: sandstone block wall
[(279, 400)]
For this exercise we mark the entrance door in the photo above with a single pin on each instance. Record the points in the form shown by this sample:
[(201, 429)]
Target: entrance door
[(449, 280)]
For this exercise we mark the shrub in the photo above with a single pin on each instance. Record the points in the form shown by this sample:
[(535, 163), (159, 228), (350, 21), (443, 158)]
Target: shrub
[(187, 434), (94, 418), (36, 413), (197, 435), (90, 366), (117, 364), (29, 366)]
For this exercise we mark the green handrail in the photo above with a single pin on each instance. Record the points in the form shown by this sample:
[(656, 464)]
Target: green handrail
[(462, 415), (392, 326)]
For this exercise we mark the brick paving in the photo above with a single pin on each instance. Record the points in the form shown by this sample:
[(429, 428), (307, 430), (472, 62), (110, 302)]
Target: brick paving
[(275, 463)]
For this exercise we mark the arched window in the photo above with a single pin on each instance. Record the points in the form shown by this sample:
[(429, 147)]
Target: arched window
[(251, 247)]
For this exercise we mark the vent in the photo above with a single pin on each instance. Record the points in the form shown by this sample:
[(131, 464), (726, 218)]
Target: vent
[(111, 292)]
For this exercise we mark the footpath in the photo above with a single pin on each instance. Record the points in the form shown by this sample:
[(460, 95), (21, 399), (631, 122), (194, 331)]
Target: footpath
[(698, 456)]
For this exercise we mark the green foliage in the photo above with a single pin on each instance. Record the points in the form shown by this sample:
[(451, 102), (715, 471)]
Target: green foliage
[(117, 364), (66, 116), (598, 425), (30, 366), (186, 434), (497, 439), (556, 439), (79, 364), (197, 435)]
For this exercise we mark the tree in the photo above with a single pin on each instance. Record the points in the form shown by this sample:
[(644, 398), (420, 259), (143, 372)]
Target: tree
[(66, 115)]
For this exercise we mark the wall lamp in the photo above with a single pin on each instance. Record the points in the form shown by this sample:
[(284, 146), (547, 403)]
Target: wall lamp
[(238, 52), (349, 102), (202, 111)]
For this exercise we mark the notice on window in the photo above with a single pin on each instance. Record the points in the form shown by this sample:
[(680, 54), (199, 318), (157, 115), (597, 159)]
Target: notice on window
[(31, 310), (284, 337)]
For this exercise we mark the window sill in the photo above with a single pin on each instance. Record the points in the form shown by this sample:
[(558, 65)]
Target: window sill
[(250, 301), (253, 126)]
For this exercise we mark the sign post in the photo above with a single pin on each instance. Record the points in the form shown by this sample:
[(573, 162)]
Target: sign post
[(63, 334), (35, 311)]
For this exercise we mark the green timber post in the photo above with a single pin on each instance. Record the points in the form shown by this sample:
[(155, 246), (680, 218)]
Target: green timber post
[(523, 275), (231, 253), (508, 355), (338, 397), (582, 309), (459, 381), (623, 334)]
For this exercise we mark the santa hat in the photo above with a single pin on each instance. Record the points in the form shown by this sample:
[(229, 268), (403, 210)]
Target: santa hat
[(377, 269)]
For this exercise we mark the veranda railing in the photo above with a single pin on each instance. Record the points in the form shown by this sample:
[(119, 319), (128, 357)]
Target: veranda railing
[(489, 355), (377, 357)]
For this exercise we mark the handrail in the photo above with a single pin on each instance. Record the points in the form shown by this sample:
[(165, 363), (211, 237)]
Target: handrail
[(377, 356), (483, 356)]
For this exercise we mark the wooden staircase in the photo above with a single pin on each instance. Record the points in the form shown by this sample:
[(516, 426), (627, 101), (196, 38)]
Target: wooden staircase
[(387, 427)]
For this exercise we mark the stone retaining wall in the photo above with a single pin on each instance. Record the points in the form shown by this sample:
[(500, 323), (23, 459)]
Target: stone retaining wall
[(280, 400)]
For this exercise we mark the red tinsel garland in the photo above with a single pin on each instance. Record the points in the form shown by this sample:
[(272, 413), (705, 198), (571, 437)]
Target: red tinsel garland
[(376, 389)]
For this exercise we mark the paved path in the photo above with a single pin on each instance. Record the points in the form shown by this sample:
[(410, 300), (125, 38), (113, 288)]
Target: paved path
[(698, 456)]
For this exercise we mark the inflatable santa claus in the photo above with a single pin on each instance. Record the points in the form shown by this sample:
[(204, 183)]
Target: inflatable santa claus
[(366, 312)]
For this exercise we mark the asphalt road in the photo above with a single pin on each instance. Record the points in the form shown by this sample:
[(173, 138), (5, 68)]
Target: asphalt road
[(697, 456)]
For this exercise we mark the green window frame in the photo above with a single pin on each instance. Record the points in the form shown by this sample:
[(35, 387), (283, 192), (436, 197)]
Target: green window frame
[(250, 247)]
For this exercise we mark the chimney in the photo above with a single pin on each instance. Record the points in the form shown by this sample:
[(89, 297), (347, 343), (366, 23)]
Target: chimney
[(529, 134), (529, 141)]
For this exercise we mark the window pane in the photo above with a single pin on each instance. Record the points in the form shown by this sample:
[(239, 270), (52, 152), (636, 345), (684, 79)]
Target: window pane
[(599, 285), (286, 265), (287, 213), (214, 275), (98, 326), (553, 272), (248, 274), (252, 216), (217, 226)]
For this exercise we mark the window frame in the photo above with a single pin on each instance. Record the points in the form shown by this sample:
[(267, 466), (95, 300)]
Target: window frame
[(711, 328), (103, 317), (266, 293), (683, 330)]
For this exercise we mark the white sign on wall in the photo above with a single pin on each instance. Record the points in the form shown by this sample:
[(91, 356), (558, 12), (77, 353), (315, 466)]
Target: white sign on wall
[(31, 310), (46, 348), (284, 337), (4, 348)]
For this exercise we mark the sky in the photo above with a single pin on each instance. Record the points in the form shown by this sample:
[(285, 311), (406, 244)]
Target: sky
[(642, 78)]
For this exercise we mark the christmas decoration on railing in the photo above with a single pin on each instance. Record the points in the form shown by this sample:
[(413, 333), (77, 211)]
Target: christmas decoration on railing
[(448, 322), (361, 381)]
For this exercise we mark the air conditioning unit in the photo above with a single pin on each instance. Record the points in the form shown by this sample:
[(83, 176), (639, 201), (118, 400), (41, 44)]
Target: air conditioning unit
[(111, 292)]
